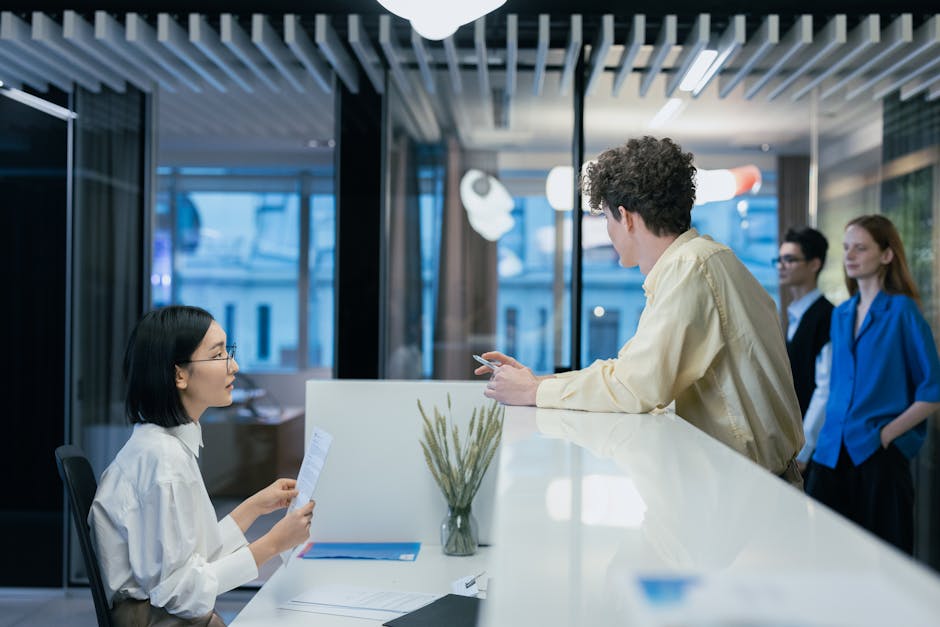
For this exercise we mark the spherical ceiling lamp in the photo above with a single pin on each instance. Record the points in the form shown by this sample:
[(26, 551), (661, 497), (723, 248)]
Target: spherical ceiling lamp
[(488, 204), (717, 185), (559, 187), (433, 19)]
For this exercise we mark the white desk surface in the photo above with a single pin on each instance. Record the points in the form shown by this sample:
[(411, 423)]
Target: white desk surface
[(640, 495), (431, 572), (586, 502)]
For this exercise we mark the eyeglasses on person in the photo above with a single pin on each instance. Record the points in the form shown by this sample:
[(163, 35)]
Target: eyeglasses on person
[(228, 357), (786, 260)]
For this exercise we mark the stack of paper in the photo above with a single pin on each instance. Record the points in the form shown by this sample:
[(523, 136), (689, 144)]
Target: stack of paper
[(359, 602)]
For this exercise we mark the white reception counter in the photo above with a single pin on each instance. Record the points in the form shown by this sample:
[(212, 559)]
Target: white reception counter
[(612, 519)]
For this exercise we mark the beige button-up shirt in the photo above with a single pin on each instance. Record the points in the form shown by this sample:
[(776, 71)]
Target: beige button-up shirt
[(709, 339)]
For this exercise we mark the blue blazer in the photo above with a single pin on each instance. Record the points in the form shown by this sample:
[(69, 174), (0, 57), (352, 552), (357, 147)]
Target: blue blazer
[(876, 376)]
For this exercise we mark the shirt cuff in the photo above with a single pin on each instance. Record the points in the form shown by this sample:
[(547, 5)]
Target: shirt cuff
[(232, 536), (805, 453), (549, 392), (234, 569)]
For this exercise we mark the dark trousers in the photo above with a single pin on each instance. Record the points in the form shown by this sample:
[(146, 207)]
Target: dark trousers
[(878, 494)]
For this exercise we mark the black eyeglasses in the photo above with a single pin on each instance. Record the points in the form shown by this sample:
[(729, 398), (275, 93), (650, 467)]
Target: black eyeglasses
[(228, 357), (786, 260)]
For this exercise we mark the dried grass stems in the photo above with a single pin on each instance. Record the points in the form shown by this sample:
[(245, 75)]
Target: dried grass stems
[(458, 468)]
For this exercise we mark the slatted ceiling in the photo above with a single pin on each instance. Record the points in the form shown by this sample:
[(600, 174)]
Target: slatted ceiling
[(934, 93), (825, 46), (664, 45), (541, 53), (697, 41), (729, 45), (282, 67), (631, 48), (17, 74)]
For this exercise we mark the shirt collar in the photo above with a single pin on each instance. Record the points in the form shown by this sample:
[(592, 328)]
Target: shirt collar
[(190, 435), (650, 283), (797, 308), (880, 303)]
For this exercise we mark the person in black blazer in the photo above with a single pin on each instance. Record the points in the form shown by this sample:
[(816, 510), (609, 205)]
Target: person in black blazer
[(802, 256)]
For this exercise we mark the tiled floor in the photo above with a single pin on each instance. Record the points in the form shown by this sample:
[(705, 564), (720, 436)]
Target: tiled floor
[(55, 607)]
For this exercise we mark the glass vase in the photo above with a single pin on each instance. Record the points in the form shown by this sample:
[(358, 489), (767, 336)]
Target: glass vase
[(459, 535)]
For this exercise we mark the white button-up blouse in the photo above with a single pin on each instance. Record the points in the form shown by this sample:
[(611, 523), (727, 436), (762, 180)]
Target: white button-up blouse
[(155, 529)]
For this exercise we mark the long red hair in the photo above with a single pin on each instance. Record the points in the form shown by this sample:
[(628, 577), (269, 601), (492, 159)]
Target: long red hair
[(897, 274)]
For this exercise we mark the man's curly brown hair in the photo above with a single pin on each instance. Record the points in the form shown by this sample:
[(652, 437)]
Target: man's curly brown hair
[(648, 176)]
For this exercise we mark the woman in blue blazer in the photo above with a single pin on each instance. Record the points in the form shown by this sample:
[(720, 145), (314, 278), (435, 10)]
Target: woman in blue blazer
[(885, 382)]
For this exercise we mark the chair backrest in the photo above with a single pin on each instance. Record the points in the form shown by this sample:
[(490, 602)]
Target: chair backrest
[(80, 484)]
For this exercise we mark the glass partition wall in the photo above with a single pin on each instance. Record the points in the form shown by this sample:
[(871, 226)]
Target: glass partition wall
[(477, 258)]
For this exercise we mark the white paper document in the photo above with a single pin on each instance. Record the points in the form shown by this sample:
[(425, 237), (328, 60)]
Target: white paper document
[(359, 602), (309, 475)]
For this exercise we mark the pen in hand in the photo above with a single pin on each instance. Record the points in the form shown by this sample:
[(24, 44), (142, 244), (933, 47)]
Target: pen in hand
[(486, 362)]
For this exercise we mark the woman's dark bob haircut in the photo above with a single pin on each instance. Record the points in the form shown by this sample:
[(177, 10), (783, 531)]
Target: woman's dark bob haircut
[(162, 339)]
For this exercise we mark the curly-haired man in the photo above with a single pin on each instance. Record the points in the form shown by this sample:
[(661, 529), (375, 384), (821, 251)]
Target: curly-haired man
[(708, 338)]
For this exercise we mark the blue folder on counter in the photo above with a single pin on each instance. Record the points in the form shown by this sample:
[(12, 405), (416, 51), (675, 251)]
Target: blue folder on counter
[(398, 551)]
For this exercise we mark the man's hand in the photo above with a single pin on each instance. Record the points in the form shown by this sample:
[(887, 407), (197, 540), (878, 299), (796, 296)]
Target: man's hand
[(512, 385), (497, 356)]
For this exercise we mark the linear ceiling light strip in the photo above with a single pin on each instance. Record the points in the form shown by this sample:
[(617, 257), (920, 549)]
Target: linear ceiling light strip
[(693, 45), (730, 43)]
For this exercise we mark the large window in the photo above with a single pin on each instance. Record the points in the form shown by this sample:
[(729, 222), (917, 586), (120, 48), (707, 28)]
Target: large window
[(230, 241)]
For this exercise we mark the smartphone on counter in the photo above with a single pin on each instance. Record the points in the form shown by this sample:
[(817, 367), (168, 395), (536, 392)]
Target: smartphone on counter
[(487, 362)]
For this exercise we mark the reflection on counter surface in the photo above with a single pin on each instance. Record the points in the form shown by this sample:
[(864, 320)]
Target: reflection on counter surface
[(643, 519)]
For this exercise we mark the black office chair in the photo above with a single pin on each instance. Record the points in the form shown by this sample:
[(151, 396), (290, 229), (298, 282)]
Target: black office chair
[(80, 485)]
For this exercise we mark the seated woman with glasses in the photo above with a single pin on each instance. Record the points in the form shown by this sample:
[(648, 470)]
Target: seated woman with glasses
[(164, 555)]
